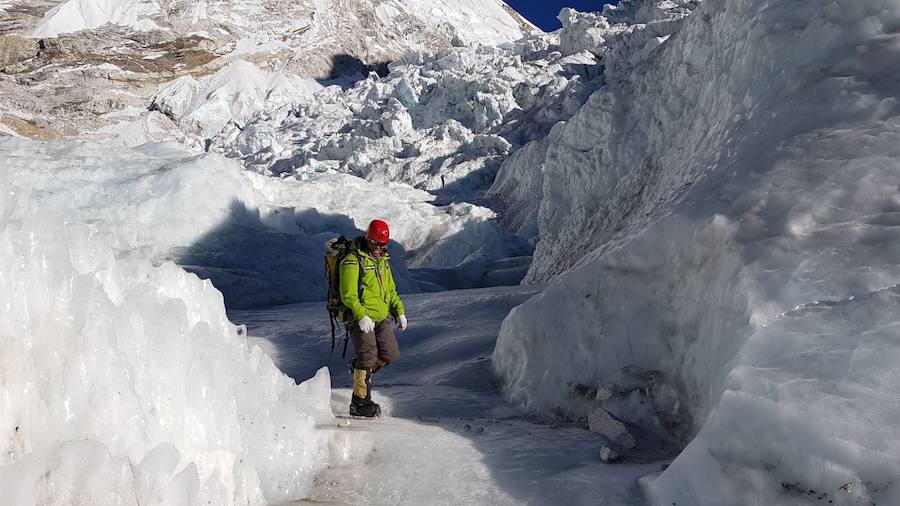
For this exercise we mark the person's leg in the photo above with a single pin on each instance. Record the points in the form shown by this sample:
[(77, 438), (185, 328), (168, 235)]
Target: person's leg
[(365, 349), (386, 343)]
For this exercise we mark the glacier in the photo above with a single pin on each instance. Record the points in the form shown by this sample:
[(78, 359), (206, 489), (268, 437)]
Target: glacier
[(487, 22), (442, 122)]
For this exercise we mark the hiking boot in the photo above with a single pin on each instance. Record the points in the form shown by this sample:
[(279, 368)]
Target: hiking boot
[(364, 407), (362, 404)]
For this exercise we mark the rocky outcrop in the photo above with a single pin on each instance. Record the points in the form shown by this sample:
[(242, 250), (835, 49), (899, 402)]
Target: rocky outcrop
[(15, 48), (88, 81)]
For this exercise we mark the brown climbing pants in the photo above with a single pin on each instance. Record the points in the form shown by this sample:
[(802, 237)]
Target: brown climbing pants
[(375, 349)]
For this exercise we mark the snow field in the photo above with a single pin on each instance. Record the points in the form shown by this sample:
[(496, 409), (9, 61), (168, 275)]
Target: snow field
[(125, 383), (448, 436), (233, 94), (484, 22), (725, 216), (75, 15), (260, 27)]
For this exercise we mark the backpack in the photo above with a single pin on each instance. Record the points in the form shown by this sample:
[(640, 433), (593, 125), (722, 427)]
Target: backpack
[(335, 251)]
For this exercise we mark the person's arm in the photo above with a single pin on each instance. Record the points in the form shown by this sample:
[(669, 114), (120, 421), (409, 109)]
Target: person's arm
[(394, 302), (350, 286)]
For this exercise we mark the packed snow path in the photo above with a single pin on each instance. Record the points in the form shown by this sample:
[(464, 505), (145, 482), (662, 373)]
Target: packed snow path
[(448, 436)]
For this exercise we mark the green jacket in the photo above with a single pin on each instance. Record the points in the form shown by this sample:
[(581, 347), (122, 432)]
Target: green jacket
[(378, 298)]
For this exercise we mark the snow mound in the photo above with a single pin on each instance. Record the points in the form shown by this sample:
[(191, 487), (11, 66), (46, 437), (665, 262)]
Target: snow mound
[(719, 225), (76, 15), (234, 94), (483, 21), (125, 383)]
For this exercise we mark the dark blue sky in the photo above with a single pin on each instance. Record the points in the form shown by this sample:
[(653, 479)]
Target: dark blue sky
[(543, 12)]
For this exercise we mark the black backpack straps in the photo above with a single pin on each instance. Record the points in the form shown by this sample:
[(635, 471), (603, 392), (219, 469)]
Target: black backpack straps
[(333, 336), (346, 339), (362, 271), (359, 294)]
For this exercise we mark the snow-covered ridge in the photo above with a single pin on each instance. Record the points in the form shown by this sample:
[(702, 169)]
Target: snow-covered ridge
[(723, 212), (485, 22), (481, 21), (76, 15)]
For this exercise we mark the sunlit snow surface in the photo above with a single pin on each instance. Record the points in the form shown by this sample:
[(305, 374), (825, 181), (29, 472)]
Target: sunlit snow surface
[(235, 93), (483, 21), (448, 436), (74, 15)]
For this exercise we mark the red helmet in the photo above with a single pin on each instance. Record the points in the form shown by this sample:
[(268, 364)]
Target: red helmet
[(378, 232)]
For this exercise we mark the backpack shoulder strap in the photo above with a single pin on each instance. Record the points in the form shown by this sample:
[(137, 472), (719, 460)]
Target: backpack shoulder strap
[(362, 271), (359, 294)]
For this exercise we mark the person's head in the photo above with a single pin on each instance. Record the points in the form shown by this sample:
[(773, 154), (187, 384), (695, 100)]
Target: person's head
[(377, 237)]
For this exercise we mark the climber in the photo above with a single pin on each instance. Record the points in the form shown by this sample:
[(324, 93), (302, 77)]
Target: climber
[(372, 302)]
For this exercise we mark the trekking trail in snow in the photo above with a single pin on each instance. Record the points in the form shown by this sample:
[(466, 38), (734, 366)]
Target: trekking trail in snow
[(447, 435)]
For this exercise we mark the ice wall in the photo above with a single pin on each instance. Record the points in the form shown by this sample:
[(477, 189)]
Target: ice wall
[(609, 46), (124, 382), (725, 215)]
